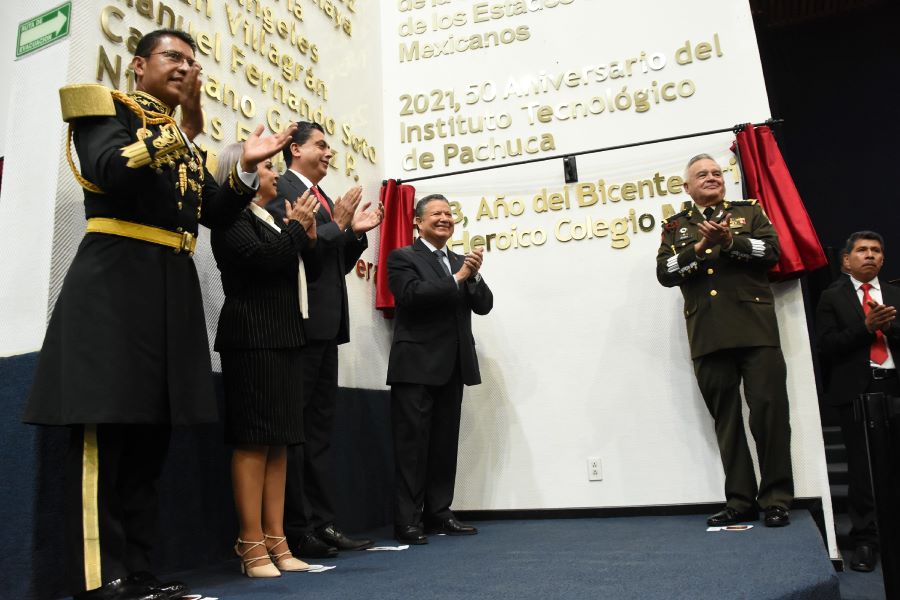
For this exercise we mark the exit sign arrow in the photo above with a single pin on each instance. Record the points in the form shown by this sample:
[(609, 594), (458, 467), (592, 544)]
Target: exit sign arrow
[(44, 29)]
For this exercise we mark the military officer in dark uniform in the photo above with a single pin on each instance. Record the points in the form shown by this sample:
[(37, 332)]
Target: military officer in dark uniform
[(126, 354), (719, 253)]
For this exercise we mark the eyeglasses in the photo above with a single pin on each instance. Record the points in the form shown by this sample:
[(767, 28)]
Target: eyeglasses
[(179, 58)]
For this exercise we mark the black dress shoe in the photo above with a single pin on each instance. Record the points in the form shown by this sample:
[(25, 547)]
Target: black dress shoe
[(730, 516), (120, 589), (144, 580), (410, 534), (451, 527), (336, 538), (864, 558), (777, 516), (311, 546)]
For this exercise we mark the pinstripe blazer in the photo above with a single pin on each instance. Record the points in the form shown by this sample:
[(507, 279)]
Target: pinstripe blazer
[(259, 276)]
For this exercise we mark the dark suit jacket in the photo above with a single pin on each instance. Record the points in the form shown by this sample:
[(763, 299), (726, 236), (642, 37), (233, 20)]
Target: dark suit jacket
[(259, 268), (433, 318), (338, 251), (844, 341), (727, 299)]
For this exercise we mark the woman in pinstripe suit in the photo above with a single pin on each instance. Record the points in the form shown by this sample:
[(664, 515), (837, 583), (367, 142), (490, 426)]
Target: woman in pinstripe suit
[(263, 266)]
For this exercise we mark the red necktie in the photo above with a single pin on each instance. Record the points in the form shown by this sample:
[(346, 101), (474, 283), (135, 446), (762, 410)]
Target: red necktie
[(878, 352), (322, 200)]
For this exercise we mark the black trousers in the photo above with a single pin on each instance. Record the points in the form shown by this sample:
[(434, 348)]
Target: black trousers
[(112, 472), (763, 373), (861, 506), (309, 493), (425, 422)]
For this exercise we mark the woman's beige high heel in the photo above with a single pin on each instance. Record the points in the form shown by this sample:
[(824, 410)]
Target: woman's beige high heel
[(247, 568), (285, 561)]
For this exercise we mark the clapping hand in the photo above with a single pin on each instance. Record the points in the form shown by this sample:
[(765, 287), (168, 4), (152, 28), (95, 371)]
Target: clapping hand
[(880, 317), (257, 149), (715, 234), (366, 220), (471, 264), (303, 210), (191, 113), (345, 207)]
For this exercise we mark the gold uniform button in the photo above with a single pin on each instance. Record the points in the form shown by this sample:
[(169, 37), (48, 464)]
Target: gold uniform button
[(179, 229), (709, 250), (710, 271), (757, 299), (713, 292), (179, 205)]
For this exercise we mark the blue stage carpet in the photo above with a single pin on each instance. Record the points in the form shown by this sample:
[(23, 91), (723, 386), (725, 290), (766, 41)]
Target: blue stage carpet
[(644, 558)]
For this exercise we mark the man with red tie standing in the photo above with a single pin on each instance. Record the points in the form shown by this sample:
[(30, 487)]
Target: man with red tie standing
[(341, 231), (859, 342)]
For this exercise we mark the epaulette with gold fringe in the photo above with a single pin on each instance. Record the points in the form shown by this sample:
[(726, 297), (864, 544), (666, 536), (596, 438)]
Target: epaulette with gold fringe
[(94, 100)]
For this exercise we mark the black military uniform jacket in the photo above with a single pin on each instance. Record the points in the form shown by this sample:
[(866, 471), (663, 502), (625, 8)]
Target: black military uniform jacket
[(127, 339), (727, 299)]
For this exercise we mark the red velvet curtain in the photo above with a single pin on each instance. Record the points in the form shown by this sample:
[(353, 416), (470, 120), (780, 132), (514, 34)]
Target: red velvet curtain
[(767, 179), (396, 232)]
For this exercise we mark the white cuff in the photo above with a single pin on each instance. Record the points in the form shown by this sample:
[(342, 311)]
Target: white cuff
[(251, 180)]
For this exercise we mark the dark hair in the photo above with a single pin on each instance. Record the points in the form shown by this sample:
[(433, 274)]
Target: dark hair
[(421, 204), (147, 43), (861, 235), (301, 134)]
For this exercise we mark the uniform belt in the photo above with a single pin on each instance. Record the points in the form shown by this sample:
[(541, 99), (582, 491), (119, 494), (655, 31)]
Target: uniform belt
[(883, 373), (180, 242)]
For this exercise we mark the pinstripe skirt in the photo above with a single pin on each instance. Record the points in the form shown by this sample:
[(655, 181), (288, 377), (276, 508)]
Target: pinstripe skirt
[(263, 396)]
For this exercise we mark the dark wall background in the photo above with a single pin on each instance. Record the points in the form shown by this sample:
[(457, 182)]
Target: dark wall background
[(832, 74)]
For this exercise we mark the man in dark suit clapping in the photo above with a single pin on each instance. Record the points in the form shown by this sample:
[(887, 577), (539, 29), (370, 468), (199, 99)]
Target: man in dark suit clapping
[(859, 342), (341, 230), (432, 357)]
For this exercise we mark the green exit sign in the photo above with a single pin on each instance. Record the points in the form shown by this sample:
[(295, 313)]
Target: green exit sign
[(44, 29)]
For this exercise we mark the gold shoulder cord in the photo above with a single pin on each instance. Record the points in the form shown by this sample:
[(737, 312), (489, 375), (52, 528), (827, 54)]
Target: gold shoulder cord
[(147, 117)]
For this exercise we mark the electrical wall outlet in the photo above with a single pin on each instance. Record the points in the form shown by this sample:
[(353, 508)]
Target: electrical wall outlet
[(595, 469)]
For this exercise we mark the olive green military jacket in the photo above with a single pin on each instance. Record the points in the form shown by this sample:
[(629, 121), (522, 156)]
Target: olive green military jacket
[(727, 299)]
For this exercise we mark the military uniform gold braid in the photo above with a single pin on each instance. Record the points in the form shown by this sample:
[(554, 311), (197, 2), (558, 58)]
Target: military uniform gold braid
[(147, 118)]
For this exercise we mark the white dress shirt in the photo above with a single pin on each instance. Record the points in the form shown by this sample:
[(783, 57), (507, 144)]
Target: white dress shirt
[(443, 252)]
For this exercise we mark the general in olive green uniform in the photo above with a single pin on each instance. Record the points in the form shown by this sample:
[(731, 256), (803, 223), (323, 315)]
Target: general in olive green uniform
[(733, 336)]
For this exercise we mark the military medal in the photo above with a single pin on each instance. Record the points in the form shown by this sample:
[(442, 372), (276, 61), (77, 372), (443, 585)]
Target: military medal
[(182, 178)]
